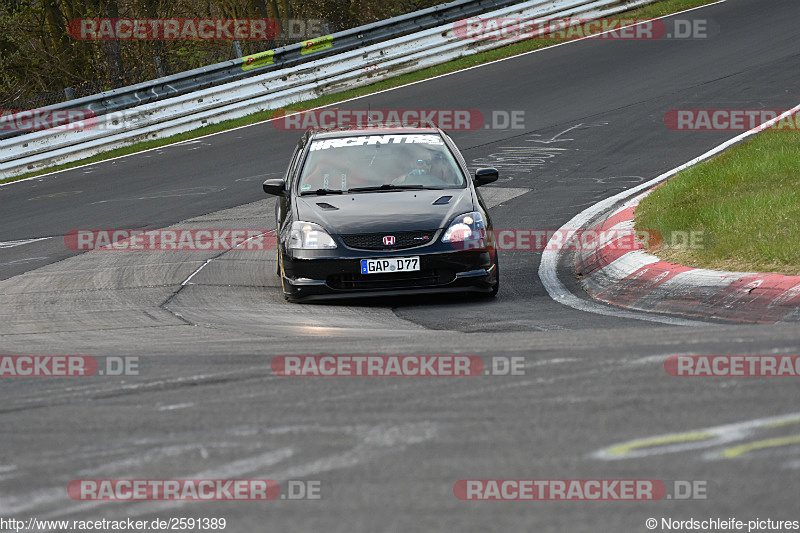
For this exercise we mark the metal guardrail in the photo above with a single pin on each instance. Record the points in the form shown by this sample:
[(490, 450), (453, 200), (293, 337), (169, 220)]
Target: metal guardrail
[(324, 74), (280, 58)]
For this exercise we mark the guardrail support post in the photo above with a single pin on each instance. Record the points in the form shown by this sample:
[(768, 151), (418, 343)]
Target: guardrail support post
[(159, 67)]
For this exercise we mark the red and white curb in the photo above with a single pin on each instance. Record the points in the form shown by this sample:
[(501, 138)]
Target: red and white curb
[(640, 281), (701, 298)]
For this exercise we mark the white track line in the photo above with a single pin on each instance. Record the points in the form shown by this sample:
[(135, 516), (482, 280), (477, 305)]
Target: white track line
[(12, 244), (187, 280), (549, 263), (193, 274)]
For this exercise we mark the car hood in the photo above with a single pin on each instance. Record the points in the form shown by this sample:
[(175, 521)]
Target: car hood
[(376, 212)]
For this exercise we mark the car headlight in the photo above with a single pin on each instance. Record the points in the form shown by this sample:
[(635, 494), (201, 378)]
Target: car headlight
[(469, 228), (309, 236)]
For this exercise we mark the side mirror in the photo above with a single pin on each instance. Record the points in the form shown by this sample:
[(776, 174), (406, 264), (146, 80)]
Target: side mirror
[(485, 175), (275, 187)]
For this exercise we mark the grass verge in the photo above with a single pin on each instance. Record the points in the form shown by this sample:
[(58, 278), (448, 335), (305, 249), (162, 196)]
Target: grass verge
[(658, 9), (745, 204)]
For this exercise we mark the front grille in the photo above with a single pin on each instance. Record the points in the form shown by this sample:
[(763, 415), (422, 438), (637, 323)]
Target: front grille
[(399, 280), (403, 240)]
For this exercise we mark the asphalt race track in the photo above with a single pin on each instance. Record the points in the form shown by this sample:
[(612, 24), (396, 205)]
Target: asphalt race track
[(388, 451)]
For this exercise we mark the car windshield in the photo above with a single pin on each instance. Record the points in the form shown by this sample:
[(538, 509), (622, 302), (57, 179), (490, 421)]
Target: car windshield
[(379, 163)]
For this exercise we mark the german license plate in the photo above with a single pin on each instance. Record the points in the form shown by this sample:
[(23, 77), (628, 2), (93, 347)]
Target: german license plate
[(390, 264)]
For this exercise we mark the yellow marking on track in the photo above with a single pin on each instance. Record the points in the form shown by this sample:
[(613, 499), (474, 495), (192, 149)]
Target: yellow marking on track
[(736, 451), (624, 449)]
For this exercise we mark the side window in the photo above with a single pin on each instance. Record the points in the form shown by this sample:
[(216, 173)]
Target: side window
[(298, 151), (459, 156)]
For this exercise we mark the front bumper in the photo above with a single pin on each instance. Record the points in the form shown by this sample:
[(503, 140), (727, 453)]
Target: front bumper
[(306, 278)]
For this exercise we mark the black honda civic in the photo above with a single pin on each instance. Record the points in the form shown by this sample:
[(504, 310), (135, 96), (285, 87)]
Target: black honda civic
[(368, 212)]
